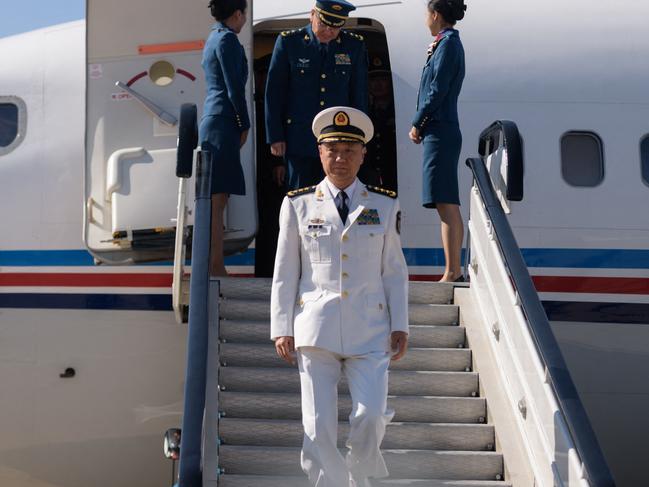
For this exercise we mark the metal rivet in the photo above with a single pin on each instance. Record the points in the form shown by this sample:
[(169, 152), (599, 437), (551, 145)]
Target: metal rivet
[(481, 419)]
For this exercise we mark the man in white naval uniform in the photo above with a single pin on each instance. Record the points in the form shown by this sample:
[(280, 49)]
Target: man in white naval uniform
[(340, 302)]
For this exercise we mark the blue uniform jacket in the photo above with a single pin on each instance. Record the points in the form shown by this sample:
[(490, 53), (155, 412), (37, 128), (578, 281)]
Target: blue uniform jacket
[(441, 83), (302, 82), (226, 73)]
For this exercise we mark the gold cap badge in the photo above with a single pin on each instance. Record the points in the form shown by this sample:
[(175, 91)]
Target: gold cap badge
[(341, 119)]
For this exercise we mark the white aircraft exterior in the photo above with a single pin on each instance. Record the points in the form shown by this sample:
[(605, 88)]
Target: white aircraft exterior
[(88, 166)]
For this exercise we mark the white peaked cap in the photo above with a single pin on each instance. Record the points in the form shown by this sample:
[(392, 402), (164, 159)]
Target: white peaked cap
[(342, 124)]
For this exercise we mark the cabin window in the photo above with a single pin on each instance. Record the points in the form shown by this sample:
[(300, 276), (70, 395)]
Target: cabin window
[(12, 123), (8, 123), (644, 159), (582, 159)]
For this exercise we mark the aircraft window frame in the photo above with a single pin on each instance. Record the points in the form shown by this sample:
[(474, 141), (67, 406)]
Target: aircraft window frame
[(563, 158), (644, 159), (21, 122)]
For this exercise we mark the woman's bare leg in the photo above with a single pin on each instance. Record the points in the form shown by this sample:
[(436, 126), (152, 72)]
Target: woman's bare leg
[(452, 235), (217, 267)]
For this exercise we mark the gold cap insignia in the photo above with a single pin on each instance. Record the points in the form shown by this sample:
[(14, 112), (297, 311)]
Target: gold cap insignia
[(338, 8), (341, 119)]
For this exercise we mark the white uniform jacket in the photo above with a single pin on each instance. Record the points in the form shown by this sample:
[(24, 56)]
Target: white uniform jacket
[(343, 288)]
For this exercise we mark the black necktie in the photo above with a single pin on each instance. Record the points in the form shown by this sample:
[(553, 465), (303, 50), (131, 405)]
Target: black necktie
[(341, 204), (324, 48)]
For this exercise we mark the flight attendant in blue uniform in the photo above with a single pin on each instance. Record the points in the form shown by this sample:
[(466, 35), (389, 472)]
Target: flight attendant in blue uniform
[(436, 125), (224, 127), (312, 68)]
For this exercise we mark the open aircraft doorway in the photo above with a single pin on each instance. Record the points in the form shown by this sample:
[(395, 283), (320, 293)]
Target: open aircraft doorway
[(380, 166), (140, 71)]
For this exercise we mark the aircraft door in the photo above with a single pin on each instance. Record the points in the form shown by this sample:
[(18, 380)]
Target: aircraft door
[(143, 63)]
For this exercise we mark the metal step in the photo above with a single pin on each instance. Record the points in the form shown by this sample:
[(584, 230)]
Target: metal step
[(259, 289), (419, 436), (424, 409), (295, 481), (429, 336), (258, 310), (430, 292), (440, 359), (401, 382), (256, 460)]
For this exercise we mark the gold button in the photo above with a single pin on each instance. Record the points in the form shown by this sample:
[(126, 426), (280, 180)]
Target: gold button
[(302, 71), (323, 76), (345, 294), (322, 103), (345, 256), (345, 238), (289, 121), (301, 302), (323, 89), (345, 275)]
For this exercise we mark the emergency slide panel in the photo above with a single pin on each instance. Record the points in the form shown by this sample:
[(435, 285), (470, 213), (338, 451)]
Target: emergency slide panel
[(143, 63)]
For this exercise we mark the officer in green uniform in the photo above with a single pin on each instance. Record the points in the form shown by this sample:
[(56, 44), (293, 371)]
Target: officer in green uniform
[(312, 68)]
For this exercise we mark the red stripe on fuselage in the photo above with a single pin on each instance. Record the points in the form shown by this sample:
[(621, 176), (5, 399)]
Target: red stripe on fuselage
[(591, 285), (543, 284), (84, 280)]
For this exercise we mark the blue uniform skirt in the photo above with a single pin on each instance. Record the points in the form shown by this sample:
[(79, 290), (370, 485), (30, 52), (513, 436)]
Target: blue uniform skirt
[(442, 145), (221, 136)]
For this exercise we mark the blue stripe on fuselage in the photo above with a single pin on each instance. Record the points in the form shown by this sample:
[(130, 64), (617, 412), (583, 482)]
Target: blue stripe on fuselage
[(420, 257)]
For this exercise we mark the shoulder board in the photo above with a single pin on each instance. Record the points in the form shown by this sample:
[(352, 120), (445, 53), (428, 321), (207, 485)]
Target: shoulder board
[(354, 35), (288, 33), (301, 191), (384, 192)]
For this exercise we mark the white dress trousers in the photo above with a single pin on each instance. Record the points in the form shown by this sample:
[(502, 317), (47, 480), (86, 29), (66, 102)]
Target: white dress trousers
[(367, 376)]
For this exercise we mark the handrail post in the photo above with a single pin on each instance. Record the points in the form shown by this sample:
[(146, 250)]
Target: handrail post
[(190, 474)]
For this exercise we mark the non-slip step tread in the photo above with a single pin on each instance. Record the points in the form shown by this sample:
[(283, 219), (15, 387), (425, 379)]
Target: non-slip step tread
[(452, 465), (422, 336), (414, 383), (418, 314), (300, 481), (260, 288), (420, 436), (431, 359), (407, 408)]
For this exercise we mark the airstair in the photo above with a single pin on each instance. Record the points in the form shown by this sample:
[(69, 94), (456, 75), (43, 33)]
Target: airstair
[(440, 434), (483, 397)]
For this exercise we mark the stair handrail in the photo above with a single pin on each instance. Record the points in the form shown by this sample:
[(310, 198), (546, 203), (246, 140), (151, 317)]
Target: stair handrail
[(190, 472), (191, 455), (595, 467)]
